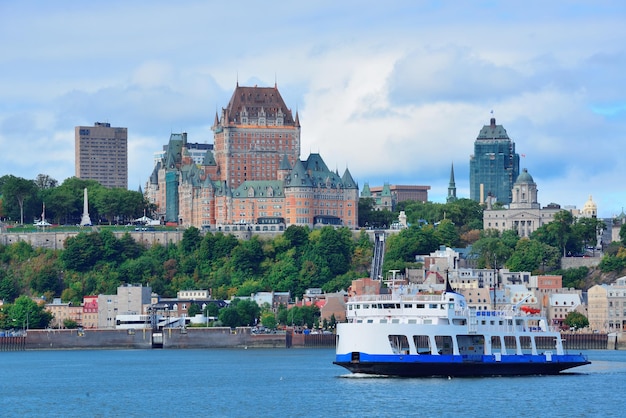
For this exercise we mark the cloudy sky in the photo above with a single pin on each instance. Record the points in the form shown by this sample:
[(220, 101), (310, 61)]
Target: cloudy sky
[(396, 91)]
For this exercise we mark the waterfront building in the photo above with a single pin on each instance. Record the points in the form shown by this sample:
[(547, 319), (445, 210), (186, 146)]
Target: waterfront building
[(494, 166), (90, 311), (253, 179), (129, 300), (62, 312), (561, 304), (607, 306), (101, 154)]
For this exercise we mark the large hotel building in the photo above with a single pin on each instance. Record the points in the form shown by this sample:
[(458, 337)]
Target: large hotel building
[(253, 177), (101, 154)]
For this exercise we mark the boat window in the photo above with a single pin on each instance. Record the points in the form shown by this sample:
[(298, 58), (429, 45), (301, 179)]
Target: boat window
[(412, 321), (510, 342), (408, 305), (524, 342), (395, 321), (422, 344), (495, 342), (383, 321), (370, 321), (444, 344), (458, 321), (420, 306), (470, 345), (349, 307), (366, 306), (358, 307), (545, 343), (399, 344), (432, 306)]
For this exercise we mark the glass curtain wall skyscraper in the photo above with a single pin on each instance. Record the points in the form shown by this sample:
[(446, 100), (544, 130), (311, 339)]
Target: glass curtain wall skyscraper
[(494, 166)]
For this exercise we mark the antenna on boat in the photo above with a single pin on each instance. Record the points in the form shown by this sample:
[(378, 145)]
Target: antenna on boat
[(449, 288)]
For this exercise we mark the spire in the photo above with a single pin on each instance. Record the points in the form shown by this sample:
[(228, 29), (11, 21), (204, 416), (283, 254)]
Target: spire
[(451, 187), (297, 119), (348, 181)]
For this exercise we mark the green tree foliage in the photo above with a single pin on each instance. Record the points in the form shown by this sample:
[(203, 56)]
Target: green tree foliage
[(268, 319), (622, 234), (25, 313), (404, 246), (303, 315), (576, 320), (574, 277), (241, 312), (19, 198), (446, 234), (191, 240), (533, 256), (194, 310), (369, 217), (8, 286), (614, 262), (493, 249)]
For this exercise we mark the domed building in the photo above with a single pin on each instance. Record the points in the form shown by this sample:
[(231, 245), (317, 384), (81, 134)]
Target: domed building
[(524, 213), (590, 209)]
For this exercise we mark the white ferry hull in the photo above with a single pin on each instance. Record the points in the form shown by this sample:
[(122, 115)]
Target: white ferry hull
[(365, 348)]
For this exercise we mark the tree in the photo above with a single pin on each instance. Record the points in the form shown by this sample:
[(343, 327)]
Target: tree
[(191, 240), (493, 250), (19, 190), (26, 313), (446, 233), (44, 181), (194, 310), (268, 320), (532, 255), (576, 320)]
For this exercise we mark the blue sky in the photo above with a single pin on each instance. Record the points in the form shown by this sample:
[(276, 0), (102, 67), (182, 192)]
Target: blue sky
[(395, 91)]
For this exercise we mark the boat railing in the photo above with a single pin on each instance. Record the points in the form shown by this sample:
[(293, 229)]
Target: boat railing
[(400, 298)]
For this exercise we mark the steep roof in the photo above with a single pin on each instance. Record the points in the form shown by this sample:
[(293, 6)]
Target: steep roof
[(259, 188), (348, 181), (173, 153), (366, 192), (284, 164), (298, 177), (493, 131), (209, 159), (255, 101)]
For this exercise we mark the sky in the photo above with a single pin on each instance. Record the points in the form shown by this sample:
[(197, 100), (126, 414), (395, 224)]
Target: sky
[(395, 91)]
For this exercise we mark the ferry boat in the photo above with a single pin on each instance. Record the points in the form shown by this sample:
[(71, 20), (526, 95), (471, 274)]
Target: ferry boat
[(423, 335)]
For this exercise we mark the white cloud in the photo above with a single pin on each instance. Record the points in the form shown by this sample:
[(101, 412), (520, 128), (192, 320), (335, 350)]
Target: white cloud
[(395, 91)]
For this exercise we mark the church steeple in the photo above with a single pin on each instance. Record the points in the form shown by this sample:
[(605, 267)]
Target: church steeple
[(451, 187)]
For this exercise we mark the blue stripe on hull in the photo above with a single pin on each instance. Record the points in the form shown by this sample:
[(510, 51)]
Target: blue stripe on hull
[(451, 365)]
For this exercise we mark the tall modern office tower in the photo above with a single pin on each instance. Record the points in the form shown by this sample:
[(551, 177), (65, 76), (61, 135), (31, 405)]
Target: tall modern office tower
[(101, 154), (494, 166)]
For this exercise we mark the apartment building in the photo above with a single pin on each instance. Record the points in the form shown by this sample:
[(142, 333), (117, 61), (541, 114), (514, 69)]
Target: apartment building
[(101, 154)]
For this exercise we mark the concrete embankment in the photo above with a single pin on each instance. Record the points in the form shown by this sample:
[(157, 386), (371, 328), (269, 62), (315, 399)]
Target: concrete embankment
[(176, 338), (172, 338)]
